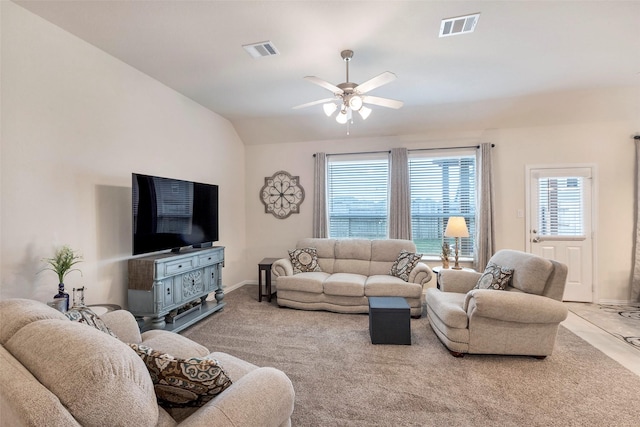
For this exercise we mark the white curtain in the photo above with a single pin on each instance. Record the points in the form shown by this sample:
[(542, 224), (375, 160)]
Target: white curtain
[(320, 228), (635, 279), (399, 195), (485, 235)]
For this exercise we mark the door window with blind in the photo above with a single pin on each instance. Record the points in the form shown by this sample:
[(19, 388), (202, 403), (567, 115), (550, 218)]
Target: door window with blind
[(560, 201), (357, 190), (442, 186)]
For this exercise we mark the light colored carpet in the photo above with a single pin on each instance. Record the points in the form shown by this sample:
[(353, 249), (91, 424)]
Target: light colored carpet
[(341, 379)]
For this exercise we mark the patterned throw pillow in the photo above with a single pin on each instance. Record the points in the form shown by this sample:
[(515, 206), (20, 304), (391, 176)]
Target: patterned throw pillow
[(88, 317), (404, 264), (304, 260), (183, 382), (494, 277)]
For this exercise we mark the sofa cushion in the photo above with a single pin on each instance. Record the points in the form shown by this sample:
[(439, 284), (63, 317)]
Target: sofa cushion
[(183, 382), (85, 368), (305, 282), (86, 316), (353, 256), (403, 265), (18, 312), (383, 285), (304, 260), (345, 284), (448, 306), (325, 248), (384, 252), (494, 277)]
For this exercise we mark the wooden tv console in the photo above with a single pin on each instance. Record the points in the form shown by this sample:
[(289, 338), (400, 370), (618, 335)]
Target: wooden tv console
[(169, 290)]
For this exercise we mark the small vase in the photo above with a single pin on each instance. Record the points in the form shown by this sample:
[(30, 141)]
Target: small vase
[(62, 294), (445, 263)]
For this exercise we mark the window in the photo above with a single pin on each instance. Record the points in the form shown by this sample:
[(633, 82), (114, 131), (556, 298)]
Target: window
[(357, 196), (441, 186), (560, 206)]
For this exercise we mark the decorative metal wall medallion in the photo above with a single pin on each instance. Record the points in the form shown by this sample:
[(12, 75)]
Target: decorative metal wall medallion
[(282, 194)]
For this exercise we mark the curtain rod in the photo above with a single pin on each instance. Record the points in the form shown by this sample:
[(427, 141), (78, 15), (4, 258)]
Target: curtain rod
[(357, 152), (417, 149)]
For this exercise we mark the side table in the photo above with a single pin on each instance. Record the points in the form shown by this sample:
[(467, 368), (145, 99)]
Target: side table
[(264, 266), (389, 320)]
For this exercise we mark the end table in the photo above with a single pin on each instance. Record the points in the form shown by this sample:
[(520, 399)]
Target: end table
[(264, 266)]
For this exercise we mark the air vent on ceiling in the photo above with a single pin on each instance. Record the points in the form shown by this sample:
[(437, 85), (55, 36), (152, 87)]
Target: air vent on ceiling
[(260, 50), (458, 25)]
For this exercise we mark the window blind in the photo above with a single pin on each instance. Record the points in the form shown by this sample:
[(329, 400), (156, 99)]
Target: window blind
[(560, 206), (357, 194), (441, 187)]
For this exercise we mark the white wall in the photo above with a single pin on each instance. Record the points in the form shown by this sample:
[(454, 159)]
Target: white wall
[(597, 131), (76, 123)]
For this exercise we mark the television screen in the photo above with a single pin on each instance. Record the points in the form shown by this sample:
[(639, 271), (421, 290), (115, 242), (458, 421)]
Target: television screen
[(172, 213)]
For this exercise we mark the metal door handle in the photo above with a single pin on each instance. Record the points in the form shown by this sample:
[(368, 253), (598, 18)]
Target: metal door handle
[(535, 240)]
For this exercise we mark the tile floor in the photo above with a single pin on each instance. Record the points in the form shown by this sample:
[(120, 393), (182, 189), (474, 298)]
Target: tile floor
[(613, 329)]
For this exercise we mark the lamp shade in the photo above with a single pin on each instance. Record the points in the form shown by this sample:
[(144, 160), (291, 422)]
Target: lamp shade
[(329, 108), (456, 227)]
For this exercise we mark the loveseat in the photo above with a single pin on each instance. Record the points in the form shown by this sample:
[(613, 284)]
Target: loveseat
[(346, 272), (514, 307), (56, 372)]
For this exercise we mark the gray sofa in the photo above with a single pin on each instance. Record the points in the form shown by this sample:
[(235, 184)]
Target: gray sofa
[(55, 372), (352, 271), (523, 319)]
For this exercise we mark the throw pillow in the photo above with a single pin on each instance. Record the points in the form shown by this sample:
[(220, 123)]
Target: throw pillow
[(183, 382), (85, 315), (494, 277), (404, 264), (304, 260)]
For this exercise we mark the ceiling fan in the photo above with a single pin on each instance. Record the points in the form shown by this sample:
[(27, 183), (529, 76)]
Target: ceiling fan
[(349, 96)]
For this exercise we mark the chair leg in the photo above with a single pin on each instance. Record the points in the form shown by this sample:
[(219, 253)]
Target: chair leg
[(456, 353)]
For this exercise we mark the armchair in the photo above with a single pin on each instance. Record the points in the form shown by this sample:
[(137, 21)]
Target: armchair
[(523, 319)]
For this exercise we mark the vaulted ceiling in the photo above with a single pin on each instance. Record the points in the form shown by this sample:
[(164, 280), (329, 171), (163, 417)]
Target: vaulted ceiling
[(518, 49)]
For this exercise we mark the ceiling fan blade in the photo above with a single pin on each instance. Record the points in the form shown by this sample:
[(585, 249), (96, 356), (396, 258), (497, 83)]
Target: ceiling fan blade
[(383, 102), (377, 81), (309, 104), (325, 84)]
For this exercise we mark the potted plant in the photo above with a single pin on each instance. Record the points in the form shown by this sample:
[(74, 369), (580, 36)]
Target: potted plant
[(62, 264), (446, 253)]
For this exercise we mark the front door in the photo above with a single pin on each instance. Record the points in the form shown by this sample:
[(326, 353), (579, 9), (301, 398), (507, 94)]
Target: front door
[(560, 226)]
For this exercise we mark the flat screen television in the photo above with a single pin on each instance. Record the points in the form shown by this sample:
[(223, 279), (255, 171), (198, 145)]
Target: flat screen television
[(172, 213)]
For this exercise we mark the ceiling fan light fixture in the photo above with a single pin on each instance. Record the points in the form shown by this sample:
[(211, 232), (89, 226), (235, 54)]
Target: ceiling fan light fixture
[(364, 112), (342, 117), (355, 102), (329, 108)]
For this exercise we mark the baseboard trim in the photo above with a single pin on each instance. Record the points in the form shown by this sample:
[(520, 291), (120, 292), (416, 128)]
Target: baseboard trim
[(232, 288)]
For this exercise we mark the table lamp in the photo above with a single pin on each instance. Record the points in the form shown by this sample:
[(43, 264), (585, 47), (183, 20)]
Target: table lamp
[(457, 228)]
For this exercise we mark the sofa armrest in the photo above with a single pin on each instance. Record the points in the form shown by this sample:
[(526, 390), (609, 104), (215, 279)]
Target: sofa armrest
[(124, 325), (262, 397), (459, 281), (282, 267), (174, 344), (420, 274), (514, 306)]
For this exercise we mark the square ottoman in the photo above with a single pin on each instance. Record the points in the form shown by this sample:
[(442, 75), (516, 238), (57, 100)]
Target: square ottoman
[(389, 320)]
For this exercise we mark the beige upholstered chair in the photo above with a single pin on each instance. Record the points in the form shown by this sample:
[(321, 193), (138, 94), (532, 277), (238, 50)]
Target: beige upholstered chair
[(523, 319)]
